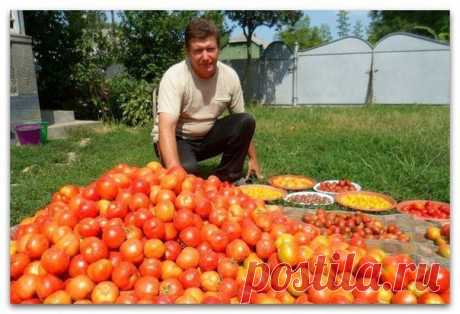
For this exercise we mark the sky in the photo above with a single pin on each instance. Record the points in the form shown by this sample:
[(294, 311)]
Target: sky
[(316, 19)]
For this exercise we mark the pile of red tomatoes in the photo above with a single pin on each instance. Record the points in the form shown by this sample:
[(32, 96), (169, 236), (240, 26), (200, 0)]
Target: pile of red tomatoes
[(161, 236)]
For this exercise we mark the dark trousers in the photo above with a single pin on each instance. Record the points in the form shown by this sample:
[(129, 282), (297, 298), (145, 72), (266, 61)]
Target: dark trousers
[(230, 136)]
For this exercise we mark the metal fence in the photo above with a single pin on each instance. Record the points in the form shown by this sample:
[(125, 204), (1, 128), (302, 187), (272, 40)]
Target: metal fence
[(402, 68)]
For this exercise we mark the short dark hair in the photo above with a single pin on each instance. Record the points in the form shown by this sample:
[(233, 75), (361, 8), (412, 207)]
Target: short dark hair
[(201, 28)]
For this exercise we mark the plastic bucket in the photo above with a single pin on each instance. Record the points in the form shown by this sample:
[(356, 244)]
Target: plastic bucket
[(28, 134), (43, 131)]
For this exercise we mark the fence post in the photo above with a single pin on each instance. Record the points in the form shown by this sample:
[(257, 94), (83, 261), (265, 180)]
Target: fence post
[(294, 75)]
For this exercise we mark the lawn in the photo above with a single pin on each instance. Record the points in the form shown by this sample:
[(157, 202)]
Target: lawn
[(399, 150)]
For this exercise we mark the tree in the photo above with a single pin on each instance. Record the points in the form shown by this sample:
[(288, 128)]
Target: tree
[(152, 41), (433, 24), (54, 39), (343, 24), (304, 34), (249, 21), (358, 29)]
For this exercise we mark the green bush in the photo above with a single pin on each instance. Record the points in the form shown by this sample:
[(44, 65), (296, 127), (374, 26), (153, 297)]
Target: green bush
[(128, 101)]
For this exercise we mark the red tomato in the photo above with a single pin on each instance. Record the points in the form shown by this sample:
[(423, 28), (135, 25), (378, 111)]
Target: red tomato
[(132, 250), (107, 188), (190, 236), (227, 268), (404, 297), (189, 257), (172, 288), (165, 211), (190, 278), (105, 292), (172, 250), (140, 186), (79, 287), (238, 250), (183, 218), (55, 261), (139, 200), (87, 208), (100, 270), (26, 286), (93, 249), (47, 285), (88, 227), (219, 241), (154, 228), (185, 200), (150, 267), (116, 210), (18, 264), (146, 288), (209, 261), (113, 236), (78, 266), (232, 229), (124, 275)]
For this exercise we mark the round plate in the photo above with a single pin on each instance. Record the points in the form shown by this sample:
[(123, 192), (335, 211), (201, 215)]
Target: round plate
[(403, 204), (330, 199), (281, 193), (340, 199), (317, 189), (272, 182)]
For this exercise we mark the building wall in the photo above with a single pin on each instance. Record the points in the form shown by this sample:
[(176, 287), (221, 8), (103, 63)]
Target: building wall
[(24, 103)]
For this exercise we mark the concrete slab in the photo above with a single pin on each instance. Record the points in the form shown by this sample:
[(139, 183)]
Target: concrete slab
[(61, 130)]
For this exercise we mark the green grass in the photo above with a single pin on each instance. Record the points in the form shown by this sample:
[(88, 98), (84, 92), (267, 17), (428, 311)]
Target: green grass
[(402, 151)]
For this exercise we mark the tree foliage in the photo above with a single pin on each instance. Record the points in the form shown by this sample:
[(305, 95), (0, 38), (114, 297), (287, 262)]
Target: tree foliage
[(358, 29), (306, 35), (343, 24), (433, 24)]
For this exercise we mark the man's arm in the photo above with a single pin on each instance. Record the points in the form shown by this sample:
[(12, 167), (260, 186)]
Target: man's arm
[(253, 164), (168, 144)]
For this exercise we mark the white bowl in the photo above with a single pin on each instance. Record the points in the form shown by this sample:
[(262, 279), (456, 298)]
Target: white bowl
[(328, 197), (316, 187)]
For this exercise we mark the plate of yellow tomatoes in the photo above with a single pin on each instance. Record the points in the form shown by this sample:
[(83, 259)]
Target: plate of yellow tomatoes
[(366, 201)]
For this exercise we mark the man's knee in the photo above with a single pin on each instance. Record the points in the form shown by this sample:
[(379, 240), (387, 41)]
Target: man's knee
[(246, 122), (190, 166)]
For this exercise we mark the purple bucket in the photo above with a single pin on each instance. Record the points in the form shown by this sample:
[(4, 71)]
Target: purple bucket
[(28, 134)]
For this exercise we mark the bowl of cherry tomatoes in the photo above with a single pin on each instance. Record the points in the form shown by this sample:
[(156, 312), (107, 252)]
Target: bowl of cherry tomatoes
[(333, 187), (425, 209)]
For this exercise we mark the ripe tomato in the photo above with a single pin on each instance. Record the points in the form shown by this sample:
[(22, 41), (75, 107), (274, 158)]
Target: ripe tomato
[(90, 193), (154, 228), (185, 200), (190, 278), (202, 206), (47, 285), (150, 267), (169, 269), (55, 260), (87, 208), (172, 288), (228, 288), (79, 287), (188, 258), (146, 288), (18, 264), (132, 250), (219, 241), (183, 218), (227, 268), (209, 261), (251, 234), (26, 286), (88, 227), (170, 231), (139, 200), (69, 243), (218, 216), (113, 236), (105, 292), (232, 229), (116, 210), (190, 236), (58, 297), (238, 250), (93, 249), (172, 250), (140, 186), (265, 248), (124, 275), (165, 211), (107, 188), (210, 281), (78, 266), (100, 270), (154, 248)]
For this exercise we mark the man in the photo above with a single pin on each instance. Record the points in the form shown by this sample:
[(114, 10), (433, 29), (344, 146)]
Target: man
[(192, 95)]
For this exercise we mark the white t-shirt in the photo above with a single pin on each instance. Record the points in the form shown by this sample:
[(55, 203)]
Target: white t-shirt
[(196, 102)]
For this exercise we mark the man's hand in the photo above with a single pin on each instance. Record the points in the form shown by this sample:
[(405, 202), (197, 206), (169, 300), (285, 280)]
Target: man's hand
[(254, 169)]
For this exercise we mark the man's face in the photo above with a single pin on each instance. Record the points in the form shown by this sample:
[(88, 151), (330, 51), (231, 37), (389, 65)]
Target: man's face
[(203, 54)]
